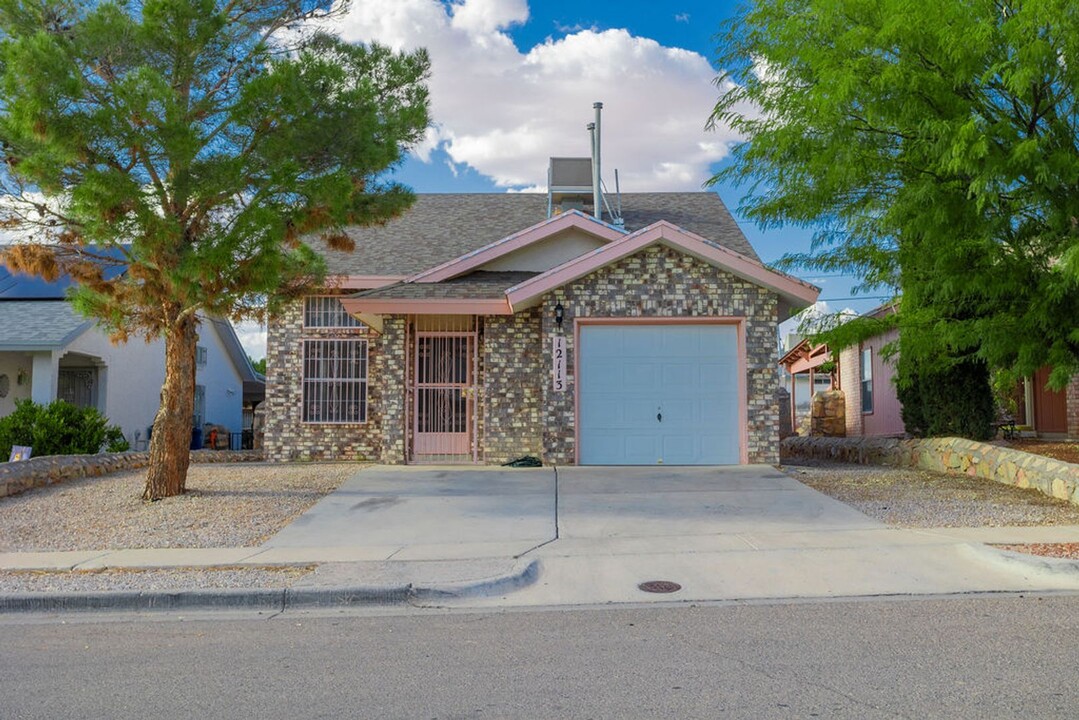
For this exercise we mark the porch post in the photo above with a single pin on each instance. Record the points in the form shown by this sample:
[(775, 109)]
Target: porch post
[(391, 378), (44, 377)]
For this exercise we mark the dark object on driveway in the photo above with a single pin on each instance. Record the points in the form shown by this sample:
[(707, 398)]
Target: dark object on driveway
[(523, 462), (659, 586)]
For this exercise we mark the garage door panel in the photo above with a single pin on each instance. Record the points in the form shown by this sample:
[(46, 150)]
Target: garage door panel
[(629, 374), (642, 375)]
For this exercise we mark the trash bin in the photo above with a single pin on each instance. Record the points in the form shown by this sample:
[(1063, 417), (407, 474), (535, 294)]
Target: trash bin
[(196, 438)]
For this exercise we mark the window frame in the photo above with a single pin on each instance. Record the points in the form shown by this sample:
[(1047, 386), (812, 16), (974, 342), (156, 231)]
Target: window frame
[(321, 312), (362, 382), (198, 419), (865, 372)]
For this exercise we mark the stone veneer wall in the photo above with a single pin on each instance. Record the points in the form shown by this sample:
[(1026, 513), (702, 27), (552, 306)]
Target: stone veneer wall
[(17, 477), (954, 456), (659, 282), (287, 437), (389, 374), (513, 372)]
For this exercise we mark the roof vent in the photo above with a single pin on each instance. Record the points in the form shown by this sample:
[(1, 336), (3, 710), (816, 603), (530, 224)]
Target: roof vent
[(576, 183)]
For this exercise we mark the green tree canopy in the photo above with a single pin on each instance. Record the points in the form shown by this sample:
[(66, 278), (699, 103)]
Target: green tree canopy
[(207, 139), (934, 147)]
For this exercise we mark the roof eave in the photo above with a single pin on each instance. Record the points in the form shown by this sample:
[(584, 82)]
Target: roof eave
[(426, 306)]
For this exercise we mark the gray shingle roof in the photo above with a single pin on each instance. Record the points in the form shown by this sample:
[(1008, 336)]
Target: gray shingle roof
[(442, 227), (477, 285), (38, 325)]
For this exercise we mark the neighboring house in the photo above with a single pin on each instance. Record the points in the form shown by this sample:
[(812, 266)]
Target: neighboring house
[(867, 380), (871, 406), (481, 328), (48, 351), (1049, 413), (805, 370)]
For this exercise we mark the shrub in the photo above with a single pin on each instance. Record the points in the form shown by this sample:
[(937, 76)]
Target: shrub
[(956, 402), (59, 428)]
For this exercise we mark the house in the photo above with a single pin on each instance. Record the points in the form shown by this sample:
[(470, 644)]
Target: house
[(1048, 413), (480, 328), (49, 351), (862, 372), (867, 379)]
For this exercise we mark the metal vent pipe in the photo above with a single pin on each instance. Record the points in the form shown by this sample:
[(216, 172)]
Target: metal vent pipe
[(597, 191)]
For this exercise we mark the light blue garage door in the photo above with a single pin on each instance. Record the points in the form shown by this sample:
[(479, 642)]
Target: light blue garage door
[(652, 394)]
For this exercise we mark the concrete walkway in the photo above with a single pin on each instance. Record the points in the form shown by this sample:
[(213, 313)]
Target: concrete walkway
[(495, 537)]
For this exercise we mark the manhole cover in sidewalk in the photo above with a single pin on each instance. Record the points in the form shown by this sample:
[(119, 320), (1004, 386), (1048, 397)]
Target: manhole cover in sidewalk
[(659, 586)]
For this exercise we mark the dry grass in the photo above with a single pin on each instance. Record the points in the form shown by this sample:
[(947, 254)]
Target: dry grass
[(227, 505)]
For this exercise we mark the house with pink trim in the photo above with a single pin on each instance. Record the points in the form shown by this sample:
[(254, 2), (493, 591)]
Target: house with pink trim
[(481, 328)]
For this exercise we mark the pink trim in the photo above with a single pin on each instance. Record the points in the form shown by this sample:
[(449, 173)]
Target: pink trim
[(524, 238), (743, 398), (432, 306), (663, 231)]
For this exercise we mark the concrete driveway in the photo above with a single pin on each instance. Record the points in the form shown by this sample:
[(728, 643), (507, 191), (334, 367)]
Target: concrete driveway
[(596, 533), (417, 513)]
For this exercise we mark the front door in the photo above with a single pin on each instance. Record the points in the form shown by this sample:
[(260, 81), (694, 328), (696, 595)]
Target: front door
[(1050, 406), (444, 397)]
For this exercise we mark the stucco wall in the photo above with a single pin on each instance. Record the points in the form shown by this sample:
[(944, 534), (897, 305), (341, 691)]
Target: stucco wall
[(886, 418), (954, 456), (134, 371), (287, 437), (660, 282), (10, 364)]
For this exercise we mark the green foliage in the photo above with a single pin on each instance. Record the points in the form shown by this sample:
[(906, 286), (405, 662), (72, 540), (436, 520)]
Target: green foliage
[(934, 147), (258, 365), (204, 138), (59, 428), (953, 402)]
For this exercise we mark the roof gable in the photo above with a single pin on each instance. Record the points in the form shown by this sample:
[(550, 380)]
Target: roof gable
[(544, 232), (793, 293)]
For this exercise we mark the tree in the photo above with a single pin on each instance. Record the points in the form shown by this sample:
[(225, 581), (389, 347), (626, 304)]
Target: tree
[(259, 365), (204, 139), (934, 148)]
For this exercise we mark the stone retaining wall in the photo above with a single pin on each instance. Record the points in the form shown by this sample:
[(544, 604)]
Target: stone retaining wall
[(954, 456), (37, 472)]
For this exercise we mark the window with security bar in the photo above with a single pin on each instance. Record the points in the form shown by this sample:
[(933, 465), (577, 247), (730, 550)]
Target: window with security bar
[(326, 311), (335, 381)]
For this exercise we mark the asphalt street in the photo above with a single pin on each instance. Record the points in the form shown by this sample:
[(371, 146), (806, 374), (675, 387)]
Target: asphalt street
[(967, 657)]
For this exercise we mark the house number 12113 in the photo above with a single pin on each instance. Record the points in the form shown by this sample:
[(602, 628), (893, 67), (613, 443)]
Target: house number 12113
[(558, 363)]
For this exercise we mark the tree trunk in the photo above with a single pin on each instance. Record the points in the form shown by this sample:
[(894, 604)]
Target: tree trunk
[(170, 444)]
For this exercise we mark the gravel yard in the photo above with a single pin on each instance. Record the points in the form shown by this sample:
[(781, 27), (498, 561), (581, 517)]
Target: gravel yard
[(227, 505), (171, 579), (921, 499)]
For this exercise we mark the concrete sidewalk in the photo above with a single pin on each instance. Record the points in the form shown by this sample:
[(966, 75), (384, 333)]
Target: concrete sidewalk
[(724, 566)]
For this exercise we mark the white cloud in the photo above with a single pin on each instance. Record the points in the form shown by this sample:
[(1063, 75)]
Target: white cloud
[(503, 111), (253, 337), (682, 17)]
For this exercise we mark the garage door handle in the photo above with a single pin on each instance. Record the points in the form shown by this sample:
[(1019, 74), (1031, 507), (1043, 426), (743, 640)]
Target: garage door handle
[(659, 416)]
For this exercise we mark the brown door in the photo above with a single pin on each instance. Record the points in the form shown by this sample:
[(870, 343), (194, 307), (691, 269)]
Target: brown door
[(1050, 406)]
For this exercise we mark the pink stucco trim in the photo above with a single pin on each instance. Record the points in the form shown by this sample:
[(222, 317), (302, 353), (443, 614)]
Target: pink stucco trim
[(376, 306), (524, 238), (743, 387), (801, 293)]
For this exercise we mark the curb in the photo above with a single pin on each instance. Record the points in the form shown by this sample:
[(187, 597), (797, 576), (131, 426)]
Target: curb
[(1049, 567), (267, 599)]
